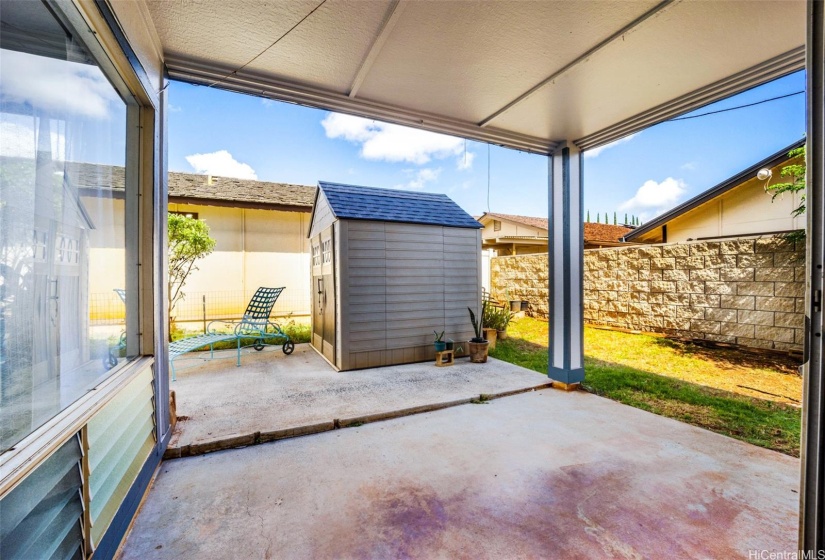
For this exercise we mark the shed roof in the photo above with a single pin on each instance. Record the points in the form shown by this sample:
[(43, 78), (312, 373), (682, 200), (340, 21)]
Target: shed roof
[(391, 205)]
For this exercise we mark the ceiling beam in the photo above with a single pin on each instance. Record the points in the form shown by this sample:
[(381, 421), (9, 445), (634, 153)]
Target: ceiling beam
[(392, 17), (771, 69), (206, 73), (582, 58)]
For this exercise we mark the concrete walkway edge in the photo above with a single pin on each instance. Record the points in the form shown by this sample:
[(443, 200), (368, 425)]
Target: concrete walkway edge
[(236, 441)]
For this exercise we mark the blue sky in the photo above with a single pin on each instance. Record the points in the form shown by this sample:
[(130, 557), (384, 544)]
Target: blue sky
[(213, 131)]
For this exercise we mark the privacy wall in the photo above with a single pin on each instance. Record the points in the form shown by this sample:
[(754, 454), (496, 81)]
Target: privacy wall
[(742, 291)]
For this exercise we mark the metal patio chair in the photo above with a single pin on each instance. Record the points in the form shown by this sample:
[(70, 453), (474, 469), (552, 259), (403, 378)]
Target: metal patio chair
[(254, 324)]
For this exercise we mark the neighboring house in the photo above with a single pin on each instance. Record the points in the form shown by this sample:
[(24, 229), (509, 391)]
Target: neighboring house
[(736, 207), (509, 234), (260, 230)]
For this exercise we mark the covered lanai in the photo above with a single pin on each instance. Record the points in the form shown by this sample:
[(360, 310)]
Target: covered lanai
[(552, 78)]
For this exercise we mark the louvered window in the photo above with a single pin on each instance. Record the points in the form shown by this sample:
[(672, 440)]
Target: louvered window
[(42, 516)]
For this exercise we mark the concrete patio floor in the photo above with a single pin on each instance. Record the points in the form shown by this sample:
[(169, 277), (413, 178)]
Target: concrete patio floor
[(544, 474), (271, 395)]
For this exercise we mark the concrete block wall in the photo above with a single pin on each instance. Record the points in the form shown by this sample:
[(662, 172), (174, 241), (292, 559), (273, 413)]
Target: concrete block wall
[(747, 291)]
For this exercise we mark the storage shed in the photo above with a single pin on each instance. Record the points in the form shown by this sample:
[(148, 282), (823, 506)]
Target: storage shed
[(389, 267)]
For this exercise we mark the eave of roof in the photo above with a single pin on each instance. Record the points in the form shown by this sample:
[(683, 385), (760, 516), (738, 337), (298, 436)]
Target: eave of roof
[(723, 187)]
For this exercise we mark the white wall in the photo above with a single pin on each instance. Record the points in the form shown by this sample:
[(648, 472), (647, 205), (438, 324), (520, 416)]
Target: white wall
[(253, 248)]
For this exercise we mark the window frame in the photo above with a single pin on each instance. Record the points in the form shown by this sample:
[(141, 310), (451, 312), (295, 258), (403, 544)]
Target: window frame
[(144, 233)]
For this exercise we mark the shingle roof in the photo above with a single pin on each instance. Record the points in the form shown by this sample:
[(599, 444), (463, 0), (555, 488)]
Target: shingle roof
[(592, 231), (604, 232), (192, 186), (390, 205), (540, 223)]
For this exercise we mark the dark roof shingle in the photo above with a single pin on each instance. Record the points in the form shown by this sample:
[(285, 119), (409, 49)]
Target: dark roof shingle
[(193, 186), (202, 188), (390, 205)]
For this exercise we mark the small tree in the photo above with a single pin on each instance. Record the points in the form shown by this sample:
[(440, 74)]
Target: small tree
[(796, 173), (189, 241)]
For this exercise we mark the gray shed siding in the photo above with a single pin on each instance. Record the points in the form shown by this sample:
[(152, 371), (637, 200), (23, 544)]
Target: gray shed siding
[(399, 282), (322, 216)]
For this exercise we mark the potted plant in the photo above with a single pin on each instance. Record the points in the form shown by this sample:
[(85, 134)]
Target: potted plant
[(503, 320), (489, 321), (477, 346), (439, 343)]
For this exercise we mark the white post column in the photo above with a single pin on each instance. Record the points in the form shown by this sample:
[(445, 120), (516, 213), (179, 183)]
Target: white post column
[(565, 256)]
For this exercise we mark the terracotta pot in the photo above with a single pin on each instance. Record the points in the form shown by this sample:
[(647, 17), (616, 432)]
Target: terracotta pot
[(501, 335), (478, 351), (515, 305), (490, 336)]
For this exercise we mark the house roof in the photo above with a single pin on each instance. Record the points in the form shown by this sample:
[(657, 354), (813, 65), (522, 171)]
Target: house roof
[(592, 232), (209, 190), (390, 205), (195, 187), (720, 189), (540, 223), (604, 232)]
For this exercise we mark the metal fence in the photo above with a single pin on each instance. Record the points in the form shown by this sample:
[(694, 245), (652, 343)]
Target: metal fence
[(108, 308)]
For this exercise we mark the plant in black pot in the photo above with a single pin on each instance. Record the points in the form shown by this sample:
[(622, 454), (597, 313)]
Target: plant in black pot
[(477, 346), (439, 343)]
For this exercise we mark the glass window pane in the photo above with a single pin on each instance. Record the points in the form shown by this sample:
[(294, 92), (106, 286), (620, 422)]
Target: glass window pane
[(62, 220)]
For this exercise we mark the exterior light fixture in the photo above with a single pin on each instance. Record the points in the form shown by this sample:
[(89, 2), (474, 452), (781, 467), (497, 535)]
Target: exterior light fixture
[(764, 174)]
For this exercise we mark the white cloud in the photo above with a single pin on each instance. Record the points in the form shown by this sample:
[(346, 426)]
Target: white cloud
[(465, 161), (267, 102), (174, 108), (594, 152), (57, 86), (689, 166), (221, 163), (653, 197), (422, 177), (18, 138), (391, 142)]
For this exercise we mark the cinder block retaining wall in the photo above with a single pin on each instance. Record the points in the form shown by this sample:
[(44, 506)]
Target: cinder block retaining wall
[(742, 291)]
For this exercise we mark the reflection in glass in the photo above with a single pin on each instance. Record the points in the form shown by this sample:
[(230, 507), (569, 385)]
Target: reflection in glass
[(62, 248)]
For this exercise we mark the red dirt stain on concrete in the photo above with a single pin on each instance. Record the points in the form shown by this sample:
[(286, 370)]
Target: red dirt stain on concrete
[(608, 509)]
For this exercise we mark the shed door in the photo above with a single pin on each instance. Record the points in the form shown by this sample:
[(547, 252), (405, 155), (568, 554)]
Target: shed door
[(323, 297)]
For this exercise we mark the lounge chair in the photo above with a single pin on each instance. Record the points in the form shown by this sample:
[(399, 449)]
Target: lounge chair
[(254, 324)]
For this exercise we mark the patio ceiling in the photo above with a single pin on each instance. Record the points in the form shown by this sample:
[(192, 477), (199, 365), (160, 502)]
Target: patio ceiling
[(521, 74)]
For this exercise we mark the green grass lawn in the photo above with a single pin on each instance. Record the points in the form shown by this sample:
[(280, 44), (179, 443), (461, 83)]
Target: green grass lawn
[(751, 397)]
